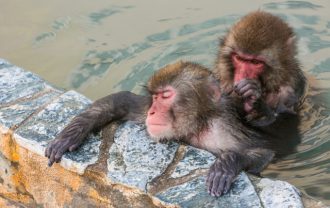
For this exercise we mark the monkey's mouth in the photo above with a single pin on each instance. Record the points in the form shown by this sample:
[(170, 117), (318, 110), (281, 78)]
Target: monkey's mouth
[(157, 124), (159, 130)]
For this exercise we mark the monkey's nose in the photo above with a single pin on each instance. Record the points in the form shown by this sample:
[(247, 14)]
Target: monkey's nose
[(151, 113)]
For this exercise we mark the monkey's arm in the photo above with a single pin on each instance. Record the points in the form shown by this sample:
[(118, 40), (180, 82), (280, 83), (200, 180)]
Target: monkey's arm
[(116, 107), (263, 112), (230, 163)]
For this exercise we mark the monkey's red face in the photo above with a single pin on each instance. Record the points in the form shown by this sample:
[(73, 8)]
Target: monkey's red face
[(247, 66), (159, 119)]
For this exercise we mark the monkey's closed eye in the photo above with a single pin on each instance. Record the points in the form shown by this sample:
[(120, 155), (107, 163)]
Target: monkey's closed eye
[(256, 62), (167, 94)]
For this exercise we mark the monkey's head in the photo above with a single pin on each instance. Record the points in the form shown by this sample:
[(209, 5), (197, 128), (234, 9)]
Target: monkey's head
[(184, 98), (259, 46)]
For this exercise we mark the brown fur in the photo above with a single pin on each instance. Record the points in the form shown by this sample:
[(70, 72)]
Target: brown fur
[(201, 117), (194, 84), (261, 33)]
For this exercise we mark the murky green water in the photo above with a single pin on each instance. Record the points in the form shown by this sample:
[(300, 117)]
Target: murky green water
[(98, 47)]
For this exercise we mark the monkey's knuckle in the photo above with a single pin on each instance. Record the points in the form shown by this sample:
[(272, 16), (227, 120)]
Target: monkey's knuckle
[(250, 85), (72, 147)]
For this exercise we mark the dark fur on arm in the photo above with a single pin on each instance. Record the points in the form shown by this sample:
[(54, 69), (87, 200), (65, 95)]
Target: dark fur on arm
[(251, 153), (119, 106), (230, 163)]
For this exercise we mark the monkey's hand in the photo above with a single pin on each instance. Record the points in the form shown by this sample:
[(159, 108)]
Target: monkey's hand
[(68, 140), (120, 106), (258, 113), (222, 173), (250, 91), (288, 101)]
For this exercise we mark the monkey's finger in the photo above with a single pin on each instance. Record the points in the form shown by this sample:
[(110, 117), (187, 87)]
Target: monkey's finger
[(240, 84), (245, 82), (48, 150), (50, 163), (249, 87), (73, 147), (228, 183), (62, 147), (55, 148), (220, 186), (251, 94), (248, 90), (209, 181), (58, 156), (215, 183), (211, 173), (51, 158)]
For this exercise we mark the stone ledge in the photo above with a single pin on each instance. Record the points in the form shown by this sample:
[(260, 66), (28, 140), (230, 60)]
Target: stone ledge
[(118, 168)]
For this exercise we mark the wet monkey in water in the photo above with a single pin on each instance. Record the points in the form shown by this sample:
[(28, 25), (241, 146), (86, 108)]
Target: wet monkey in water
[(184, 103), (257, 61)]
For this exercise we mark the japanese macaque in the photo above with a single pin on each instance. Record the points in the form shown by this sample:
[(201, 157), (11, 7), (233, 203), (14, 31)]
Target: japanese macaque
[(185, 104), (257, 61)]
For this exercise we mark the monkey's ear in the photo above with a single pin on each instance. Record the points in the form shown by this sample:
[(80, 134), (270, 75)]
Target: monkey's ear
[(214, 88), (145, 90), (291, 41), (291, 44)]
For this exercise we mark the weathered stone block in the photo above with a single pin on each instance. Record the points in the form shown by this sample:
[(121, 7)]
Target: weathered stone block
[(193, 159), (6, 184), (135, 159), (15, 83), (15, 114), (275, 193), (193, 194), (45, 125)]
